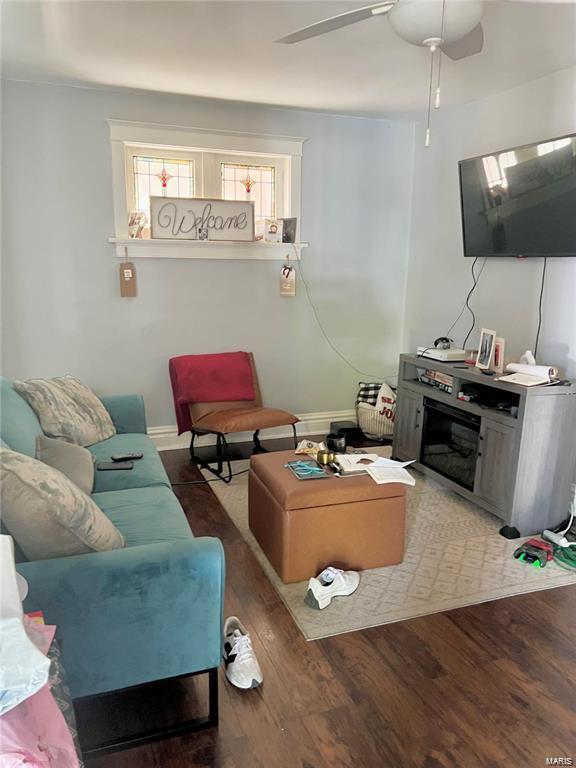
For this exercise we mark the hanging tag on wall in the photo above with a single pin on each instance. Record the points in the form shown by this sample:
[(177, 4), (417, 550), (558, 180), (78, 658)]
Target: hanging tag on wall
[(288, 281), (127, 280)]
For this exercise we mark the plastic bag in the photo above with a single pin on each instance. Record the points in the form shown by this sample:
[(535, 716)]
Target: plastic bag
[(24, 669)]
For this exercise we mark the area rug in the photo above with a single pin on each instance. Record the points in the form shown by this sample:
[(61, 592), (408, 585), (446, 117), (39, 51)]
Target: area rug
[(454, 557)]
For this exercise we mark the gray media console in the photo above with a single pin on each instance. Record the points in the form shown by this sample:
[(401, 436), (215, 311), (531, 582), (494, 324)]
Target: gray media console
[(510, 449)]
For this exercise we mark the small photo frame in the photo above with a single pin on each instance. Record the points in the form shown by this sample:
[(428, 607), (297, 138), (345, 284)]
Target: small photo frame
[(499, 355), (273, 231), (289, 230), (202, 233), (137, 222), (486, 349)]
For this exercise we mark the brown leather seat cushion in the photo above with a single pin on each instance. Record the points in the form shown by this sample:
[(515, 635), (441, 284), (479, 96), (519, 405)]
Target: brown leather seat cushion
[(247, 419), (291, 493)]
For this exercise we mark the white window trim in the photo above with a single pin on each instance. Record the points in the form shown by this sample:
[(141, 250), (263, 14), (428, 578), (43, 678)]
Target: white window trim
[(169, 137)]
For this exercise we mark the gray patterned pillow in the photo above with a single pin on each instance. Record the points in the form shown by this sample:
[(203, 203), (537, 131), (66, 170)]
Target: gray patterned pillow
[(67, 409), (47, 514)]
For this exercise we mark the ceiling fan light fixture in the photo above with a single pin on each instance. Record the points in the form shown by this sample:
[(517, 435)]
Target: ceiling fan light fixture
[(418, 21), (433, 43), (379, 10)]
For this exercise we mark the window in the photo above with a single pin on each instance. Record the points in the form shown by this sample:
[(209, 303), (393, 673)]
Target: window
[(178, 161), (155, 175), (248, 177), (251, 182), (153, 171), (157, 171)]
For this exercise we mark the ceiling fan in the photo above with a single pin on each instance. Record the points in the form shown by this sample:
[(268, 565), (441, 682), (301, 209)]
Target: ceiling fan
[(451, 27)]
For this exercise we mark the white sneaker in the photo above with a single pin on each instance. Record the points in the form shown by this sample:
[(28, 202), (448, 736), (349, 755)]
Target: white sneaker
[(332, 582), (242, 668)]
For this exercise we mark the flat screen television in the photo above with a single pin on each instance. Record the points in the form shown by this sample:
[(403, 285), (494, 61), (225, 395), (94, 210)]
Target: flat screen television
[(521, 201)]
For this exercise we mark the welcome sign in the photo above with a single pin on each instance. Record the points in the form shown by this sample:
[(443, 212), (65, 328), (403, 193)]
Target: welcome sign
[(185, 218)]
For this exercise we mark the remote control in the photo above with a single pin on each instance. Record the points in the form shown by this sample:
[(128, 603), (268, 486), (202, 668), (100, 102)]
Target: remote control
[(126, 456)]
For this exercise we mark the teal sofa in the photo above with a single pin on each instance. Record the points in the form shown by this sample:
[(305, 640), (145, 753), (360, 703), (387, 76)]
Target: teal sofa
[(128, 616)]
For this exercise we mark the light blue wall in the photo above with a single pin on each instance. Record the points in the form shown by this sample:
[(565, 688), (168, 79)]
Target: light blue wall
[(506, 299), (61, 308)]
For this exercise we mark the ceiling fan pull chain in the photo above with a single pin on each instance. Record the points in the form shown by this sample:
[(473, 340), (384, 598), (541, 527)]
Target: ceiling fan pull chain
[(432, 52), (437, 96)]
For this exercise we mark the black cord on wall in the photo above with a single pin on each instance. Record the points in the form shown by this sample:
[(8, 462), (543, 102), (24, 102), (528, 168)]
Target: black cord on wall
[(475, 279), (540, 306)]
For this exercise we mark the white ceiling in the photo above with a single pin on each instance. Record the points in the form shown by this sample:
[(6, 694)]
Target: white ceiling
[(226, 50)]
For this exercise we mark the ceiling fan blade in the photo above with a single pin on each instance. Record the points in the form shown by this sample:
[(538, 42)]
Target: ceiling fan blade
[(336, 22), (469, 45)]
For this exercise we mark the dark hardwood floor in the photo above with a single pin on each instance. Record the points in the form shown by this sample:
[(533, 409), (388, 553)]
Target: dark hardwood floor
[(488, 685)]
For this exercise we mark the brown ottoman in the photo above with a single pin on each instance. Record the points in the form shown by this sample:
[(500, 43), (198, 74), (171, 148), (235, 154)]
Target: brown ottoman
[(305, 525)]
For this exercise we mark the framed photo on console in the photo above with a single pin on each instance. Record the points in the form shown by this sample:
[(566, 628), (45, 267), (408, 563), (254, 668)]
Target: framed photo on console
[(499, 355), (486, 349)]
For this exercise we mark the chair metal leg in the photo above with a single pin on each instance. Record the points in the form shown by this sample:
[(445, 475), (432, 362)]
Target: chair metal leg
[(222, 457), (258, 447), (192, 454), (219, 453)]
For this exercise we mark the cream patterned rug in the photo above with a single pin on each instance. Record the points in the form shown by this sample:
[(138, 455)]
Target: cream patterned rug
[(454, 557)]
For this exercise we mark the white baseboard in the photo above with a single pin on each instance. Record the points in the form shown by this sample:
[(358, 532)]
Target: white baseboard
[(167, 438)]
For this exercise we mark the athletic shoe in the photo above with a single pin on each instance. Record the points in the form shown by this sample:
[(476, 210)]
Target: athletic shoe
[(332, 582), (242, 668)]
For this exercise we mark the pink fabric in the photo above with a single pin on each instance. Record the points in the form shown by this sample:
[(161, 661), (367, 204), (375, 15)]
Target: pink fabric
[(34, 734), (209, 379)]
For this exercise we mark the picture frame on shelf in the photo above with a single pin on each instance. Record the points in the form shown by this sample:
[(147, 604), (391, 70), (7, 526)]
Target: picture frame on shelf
[(499, 345), (137, 223), (485, 349), (269, 230), (289, 229)]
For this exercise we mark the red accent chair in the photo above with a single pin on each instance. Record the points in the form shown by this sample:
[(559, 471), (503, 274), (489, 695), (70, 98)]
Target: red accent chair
[(219, 394)]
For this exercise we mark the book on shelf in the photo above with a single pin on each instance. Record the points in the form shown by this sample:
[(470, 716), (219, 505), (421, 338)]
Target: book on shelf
[(437, 379)]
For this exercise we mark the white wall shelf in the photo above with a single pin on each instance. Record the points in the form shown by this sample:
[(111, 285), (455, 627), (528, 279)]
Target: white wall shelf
[(205, 249)]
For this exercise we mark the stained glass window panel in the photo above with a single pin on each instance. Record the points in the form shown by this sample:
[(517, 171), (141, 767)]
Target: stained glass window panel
[(178, 174), (251, 182), (156, 186)]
